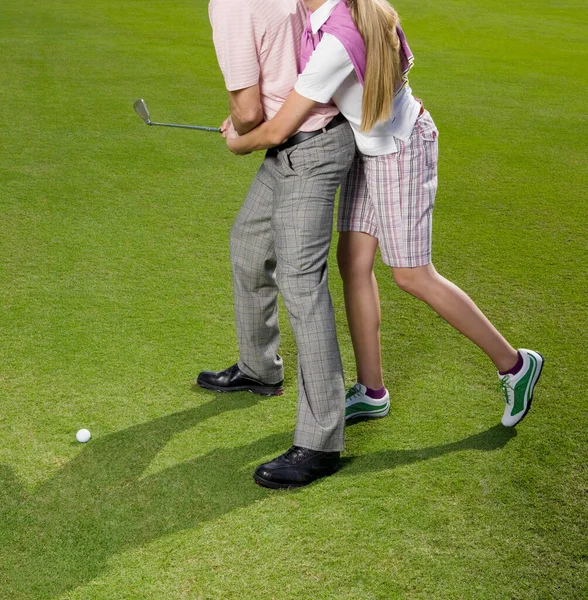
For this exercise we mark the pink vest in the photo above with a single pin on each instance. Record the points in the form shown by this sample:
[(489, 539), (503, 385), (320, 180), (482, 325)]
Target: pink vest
[(341, 25)]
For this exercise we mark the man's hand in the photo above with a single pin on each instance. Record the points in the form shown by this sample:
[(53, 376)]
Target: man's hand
[(230, 134), (227, 124)]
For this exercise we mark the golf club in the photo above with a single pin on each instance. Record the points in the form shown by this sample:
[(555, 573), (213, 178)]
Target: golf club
[(142, 110)]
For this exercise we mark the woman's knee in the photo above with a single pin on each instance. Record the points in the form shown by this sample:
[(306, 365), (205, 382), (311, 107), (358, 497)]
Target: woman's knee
[(413, 280), (355, 260), (352, 267)]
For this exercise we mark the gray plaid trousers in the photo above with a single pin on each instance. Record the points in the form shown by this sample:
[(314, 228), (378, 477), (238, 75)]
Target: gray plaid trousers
[(280, 240)]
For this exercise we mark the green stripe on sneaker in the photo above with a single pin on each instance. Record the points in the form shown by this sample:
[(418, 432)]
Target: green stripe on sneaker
[(521, 387), (362, 407)]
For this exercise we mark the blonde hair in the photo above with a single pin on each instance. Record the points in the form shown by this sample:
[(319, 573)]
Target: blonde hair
[(376, 21)]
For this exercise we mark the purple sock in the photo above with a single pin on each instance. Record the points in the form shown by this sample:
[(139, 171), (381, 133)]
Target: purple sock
[(375, 394), (516, 368)]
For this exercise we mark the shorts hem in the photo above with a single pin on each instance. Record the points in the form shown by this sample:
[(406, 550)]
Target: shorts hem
[(345, 228), (408, 263)]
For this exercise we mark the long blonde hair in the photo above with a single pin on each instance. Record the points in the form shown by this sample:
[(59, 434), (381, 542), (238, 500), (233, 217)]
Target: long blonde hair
[(376, 21)]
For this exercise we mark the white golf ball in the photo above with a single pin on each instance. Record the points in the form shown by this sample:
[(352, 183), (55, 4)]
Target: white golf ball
[(83, 435)]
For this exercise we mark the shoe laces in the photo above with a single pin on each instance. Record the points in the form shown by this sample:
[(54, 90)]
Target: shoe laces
[(293, 453), (353, 391), (504, 386)]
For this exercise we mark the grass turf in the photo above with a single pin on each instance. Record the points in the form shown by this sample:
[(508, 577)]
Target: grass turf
[(115, 291)]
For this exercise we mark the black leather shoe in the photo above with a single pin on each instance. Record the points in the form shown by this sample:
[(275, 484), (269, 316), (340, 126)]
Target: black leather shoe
[(234, 380), (296, 467)]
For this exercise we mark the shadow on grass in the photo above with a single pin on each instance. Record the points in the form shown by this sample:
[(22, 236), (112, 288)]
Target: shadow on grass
[(492, 439), (67, 531)]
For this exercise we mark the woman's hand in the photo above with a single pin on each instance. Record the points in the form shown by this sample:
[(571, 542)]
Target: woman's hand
[(235, 145)]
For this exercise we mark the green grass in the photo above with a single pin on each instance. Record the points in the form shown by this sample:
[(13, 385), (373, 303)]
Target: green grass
[(115, 292)]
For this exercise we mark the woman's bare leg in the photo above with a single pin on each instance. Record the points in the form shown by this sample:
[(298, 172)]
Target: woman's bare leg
[(458, 309), (355, 254)]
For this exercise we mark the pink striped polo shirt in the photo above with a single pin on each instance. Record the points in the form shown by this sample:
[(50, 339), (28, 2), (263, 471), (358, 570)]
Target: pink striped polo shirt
[(258, 42)]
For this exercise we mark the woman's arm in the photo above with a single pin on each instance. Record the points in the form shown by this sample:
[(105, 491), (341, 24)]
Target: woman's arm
[(275, 131)]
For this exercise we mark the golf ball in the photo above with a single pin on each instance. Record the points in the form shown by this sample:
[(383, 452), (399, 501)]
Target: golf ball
[(83, 435)]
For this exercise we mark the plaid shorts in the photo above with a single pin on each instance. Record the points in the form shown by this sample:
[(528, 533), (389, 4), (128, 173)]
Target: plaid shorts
[(391, 197)]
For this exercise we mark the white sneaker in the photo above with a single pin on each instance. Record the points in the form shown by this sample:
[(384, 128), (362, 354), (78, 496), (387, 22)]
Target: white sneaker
[(518, 389), (358, 404)]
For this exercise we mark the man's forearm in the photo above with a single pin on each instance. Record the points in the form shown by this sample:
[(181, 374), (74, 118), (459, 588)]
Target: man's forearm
[(243, 124), (246, 109)]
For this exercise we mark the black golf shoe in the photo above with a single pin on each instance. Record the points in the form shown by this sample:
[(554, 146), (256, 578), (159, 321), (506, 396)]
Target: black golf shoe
[(296, 467), (234, 380)]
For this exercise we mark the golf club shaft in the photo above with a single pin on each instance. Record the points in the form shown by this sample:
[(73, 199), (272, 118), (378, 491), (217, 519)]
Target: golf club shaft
[(184, 126)]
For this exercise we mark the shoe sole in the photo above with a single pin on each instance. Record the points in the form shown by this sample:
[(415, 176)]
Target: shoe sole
[(261, 391), (288, 486), (368, 414), (531, 396)]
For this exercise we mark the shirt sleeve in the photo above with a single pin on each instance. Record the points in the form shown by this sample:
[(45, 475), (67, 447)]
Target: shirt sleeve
[(233, 34), (326, 70)]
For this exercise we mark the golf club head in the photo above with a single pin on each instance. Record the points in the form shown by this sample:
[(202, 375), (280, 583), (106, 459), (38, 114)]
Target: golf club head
[(142, 111)]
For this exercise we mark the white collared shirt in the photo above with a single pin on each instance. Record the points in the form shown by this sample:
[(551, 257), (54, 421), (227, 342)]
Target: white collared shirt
[(321, 14), (330, 74)]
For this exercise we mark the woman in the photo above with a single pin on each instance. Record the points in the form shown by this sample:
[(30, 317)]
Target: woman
[(356, 54)]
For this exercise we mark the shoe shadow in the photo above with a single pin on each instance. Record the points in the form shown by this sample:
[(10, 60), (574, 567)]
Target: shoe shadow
[(64, 533), (492, 439)]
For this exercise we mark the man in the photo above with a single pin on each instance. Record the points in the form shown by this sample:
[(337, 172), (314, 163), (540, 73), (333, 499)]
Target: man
[(281, 237)]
